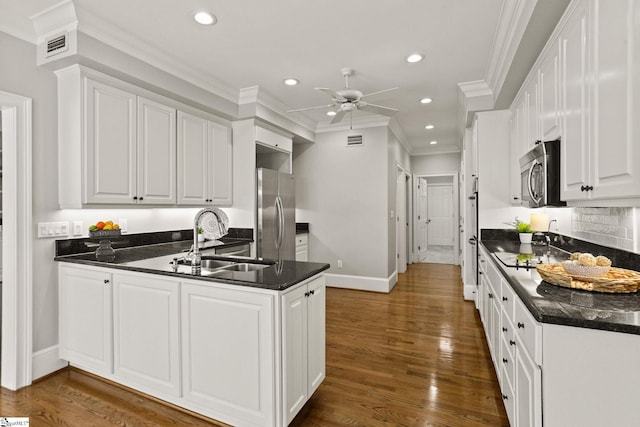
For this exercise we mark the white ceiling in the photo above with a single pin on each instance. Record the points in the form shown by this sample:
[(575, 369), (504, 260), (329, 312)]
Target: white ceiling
[(259, 43)]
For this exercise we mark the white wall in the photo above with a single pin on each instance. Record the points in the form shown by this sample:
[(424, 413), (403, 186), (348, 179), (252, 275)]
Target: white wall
[(435, 163), (342, 192)]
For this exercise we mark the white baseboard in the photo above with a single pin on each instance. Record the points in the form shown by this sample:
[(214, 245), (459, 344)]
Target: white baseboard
[(362, 283), (46, 361)]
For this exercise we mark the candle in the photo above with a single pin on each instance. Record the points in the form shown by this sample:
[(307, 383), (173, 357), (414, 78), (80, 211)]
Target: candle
[(539, 222)]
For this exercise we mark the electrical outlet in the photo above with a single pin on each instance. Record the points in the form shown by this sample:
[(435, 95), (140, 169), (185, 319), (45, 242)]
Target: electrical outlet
[(339, 263), (122, 222), (77, 228)]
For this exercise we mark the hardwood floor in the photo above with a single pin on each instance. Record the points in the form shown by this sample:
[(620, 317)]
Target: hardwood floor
[(414, 357)]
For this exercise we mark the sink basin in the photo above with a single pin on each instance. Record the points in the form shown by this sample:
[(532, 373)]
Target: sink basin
[(214, 263), (243, 266)]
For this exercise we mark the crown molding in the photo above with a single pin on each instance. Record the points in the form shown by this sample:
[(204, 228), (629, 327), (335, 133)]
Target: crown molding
[(514, 17), (59, 17), (436, 151), (357, 123)]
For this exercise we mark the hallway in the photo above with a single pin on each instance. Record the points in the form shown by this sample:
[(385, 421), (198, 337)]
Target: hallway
[(414, 357)]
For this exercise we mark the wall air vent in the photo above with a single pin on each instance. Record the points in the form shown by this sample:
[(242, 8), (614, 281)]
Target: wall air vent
[(353, 140), (56, 45)]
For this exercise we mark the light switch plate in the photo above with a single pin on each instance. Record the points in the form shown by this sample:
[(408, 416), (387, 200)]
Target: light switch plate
[(77, 228)]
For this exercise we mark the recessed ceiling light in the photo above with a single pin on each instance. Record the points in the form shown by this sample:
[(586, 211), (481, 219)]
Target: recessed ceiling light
[(331, 113), (205, 18), (291, 81), (429, 127), (415, 57), (426, 101), (433, 142)]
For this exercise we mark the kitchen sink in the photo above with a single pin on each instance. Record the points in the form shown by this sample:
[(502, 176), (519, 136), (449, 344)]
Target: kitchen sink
[(243, 266)]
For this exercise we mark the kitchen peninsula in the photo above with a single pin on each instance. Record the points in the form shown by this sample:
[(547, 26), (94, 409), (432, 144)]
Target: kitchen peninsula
[(243, 346)]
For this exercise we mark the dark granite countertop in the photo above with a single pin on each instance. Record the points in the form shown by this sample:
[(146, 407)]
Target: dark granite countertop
[(553, 304), (155, 258)]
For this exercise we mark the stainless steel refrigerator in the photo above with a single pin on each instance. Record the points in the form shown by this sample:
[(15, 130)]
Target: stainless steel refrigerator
[(276, 215)]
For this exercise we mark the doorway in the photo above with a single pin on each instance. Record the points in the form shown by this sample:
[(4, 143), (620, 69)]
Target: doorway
[(436, 218), (16, 336)]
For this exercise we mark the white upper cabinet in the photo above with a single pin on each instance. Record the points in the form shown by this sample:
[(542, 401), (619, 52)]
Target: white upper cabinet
[(615, 159), (548, 78), (588, 90), (121, 145), (204, 161), (130, 147), (156, 156), (575, 45), (110, 144)]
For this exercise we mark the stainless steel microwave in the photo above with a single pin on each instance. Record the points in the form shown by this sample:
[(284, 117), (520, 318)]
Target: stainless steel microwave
[(540, 175)]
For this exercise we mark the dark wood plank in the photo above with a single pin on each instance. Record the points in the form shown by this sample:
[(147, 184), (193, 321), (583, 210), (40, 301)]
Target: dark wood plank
[(414, 357)]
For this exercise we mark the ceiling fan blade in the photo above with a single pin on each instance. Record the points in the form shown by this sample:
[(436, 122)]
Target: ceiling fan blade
[(310, 108), (378, 109), (339, 115), (380, 91), (333, 94)]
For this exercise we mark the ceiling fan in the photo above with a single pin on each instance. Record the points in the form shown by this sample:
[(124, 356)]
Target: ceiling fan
[(346, 100)]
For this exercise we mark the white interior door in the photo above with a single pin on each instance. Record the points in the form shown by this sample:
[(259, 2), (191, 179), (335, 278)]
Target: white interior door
[(440, 214), (421, 223)]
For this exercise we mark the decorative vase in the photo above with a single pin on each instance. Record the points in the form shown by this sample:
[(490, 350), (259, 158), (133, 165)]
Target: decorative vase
[(525, 237)]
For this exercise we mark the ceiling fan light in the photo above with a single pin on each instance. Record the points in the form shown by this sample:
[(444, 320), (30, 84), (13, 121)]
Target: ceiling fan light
[(291, 81), (205, 18), (414, 57), (426, 101)]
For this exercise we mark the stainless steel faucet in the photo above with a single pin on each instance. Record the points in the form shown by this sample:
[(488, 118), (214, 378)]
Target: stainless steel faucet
[(194, 254)]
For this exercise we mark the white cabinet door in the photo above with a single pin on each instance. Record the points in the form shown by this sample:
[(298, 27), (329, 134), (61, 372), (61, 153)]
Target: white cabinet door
[(205, 161), (549, 111), (533, 112), (303, 343), (228, 355), (192, 159), (146, 332), (528, 391), (616, 157), (575, 48), (221, 164), (316, 334), (110, 134), (85, 317), (156, 146), (294, 343)]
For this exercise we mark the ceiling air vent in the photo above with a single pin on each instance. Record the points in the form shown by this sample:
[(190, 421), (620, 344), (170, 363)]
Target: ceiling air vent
[(353, 140), (57, 45)]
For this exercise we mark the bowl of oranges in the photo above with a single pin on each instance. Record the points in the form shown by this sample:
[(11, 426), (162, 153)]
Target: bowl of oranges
[(104, 229)]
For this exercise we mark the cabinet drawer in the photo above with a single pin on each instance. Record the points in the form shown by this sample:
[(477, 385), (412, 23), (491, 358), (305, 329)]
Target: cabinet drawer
[(302, 239), (528, 331), (507, 361), (495, 278), (508, 299), (508, 334)]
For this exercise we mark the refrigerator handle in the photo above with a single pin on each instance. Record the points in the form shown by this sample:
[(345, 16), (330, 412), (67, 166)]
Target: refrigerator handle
[(279, 222)]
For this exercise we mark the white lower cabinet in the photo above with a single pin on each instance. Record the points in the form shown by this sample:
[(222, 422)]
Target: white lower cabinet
[(245, 356), (146, 334), (228, 353), (85, 306), (303, 343), (515, 342)]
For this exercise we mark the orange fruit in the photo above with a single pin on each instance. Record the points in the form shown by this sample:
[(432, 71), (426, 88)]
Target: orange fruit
[(100, 225)]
